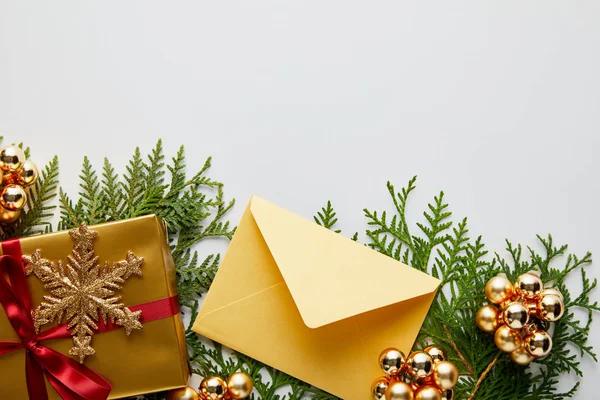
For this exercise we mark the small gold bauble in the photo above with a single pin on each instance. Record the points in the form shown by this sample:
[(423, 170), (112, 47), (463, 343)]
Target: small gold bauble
[(186, 393), (13, 197), (28, 173), (213, 388), (506, 339), (445, 375), (538, 344), (553, 291), (239, 385), (428, 393), (498, 289), (391, 361), (521, 356), (487, 318), (399, 391), (529, 285), (516, 315), (379, 387), (420, 364), (550, 307), (436, 353), (8, 217), (448, 394), (11, 158)]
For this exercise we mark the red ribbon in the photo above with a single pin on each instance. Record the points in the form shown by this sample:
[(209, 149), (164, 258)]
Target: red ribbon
[(70, 379)]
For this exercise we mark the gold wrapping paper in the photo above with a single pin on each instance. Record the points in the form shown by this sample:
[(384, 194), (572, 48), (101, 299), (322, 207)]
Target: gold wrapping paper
[(149, 360)]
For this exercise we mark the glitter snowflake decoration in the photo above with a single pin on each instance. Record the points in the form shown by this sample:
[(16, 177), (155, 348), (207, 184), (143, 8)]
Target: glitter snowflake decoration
[(82, 291)]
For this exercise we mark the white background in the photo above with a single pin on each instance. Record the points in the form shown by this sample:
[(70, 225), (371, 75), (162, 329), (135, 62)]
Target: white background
[(300, 102)]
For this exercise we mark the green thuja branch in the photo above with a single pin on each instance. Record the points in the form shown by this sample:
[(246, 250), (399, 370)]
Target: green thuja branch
[(443, 248)]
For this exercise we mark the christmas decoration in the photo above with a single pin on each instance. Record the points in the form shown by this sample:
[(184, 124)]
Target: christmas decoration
[(520, 320), (83, 291), (186, 393), (423, 375), (77, 298), (17, 173), (238, 386), (438, 244)]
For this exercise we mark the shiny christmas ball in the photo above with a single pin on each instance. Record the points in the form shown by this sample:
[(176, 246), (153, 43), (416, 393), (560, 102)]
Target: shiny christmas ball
[(516, 315), (213, 388), (550, 307), (391, 361), (186, 393), (13, 197), (436, 353), (553, 291), (28, 173), (239, 386), (498, 289), (11, 158), (399, 391), (8, 217), (420, 364), (521, 357), (538, 343), (529, 285), (445, 374), (487, 318), (448, 394), (379, 387), (428, 393), (507, 340)]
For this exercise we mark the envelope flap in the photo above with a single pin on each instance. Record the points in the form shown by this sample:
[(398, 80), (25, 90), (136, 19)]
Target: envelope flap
[(331, 277)]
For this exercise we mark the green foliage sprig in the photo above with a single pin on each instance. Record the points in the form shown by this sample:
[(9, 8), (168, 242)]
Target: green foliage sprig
[(443, 248)]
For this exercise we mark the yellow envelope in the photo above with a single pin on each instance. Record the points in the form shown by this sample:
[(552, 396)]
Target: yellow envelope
[(311, 302)]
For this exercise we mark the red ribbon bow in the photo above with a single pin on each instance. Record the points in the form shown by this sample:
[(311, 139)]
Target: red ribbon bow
[(70, 379)]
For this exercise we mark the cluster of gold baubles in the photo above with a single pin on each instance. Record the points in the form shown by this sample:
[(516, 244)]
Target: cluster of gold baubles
[(519, 316), (238, 386), (17, 173), (424, 375)]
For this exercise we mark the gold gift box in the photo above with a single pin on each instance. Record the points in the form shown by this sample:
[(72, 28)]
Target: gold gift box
[(149, 360)]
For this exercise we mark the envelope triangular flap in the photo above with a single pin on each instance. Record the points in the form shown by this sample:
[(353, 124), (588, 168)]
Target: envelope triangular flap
[(329, 276)]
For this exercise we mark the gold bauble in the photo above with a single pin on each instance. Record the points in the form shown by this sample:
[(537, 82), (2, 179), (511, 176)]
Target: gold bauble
[(13, 197), (8, 217), (448, 394), (11, 158), (213, 388), (487, 318), (507, 340), (239, 385), (538, 343), (550, 307), (28, 173), (420, 364), (428, 393), (186, 393), (399, 391), (379, 387), (554, 291), (516, 315), (436, 353), (521, 356), (445, 375), (391, 361), (498, 289), (529, 285)]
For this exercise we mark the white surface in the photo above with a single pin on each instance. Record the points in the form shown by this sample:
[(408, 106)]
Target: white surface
[(494, 102)]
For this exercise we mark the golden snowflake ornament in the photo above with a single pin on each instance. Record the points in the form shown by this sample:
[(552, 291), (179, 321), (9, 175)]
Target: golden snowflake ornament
[(83, 291)]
